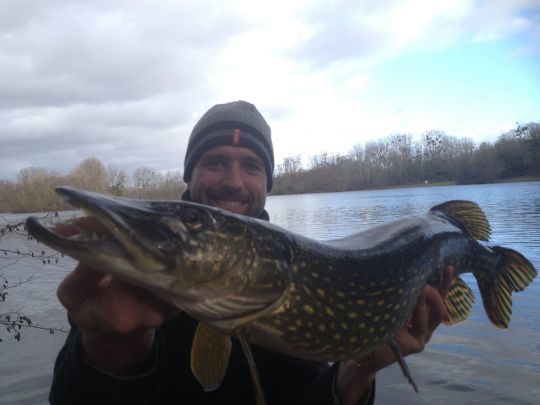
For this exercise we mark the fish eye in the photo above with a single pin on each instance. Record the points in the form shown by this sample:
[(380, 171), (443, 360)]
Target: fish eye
[(192, 219)]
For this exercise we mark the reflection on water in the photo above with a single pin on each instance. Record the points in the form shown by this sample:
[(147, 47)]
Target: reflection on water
[(472, 362)]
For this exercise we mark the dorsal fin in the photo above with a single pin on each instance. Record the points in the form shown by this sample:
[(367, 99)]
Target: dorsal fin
[(469, 215)]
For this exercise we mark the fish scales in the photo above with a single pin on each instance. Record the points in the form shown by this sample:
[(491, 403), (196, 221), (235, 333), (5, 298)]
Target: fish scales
[(366, 293), (264, 285)]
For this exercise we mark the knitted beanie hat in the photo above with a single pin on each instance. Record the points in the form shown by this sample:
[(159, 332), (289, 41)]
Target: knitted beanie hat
[(233, 124)]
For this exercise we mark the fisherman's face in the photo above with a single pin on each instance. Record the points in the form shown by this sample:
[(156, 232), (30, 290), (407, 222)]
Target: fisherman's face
[(232, 178)]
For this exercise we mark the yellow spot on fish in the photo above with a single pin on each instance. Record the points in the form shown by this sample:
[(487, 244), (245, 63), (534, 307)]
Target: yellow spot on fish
[(352, 315), (322, 327), (309, 309), (371, 329), (376, 318), (337, 336), (329, 311), (298, 322), (360, 302), (353, 339), (344, 326), (292, 328), (321, 292), (295, 269), (380, 302), (341, 294)]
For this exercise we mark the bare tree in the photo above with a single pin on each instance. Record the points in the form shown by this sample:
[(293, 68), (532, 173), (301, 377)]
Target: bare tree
[(13, 322), (116, 180), (172, 186), (90, 175)]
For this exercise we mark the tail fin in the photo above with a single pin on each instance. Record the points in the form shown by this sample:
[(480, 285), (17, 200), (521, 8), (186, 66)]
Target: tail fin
[(469, 216), (514, 273)]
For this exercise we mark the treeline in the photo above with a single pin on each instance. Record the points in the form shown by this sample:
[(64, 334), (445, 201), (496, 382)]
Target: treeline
[(396, 160), (34, 189), (400, 159)]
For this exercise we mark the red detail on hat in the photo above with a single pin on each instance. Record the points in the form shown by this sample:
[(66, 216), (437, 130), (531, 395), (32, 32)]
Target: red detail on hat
[(236, 137)]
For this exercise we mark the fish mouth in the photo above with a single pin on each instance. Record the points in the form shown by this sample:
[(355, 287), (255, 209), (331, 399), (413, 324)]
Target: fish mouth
[(109, 236)]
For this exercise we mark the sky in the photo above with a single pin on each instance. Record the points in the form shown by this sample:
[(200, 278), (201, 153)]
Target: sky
[(126, 81)]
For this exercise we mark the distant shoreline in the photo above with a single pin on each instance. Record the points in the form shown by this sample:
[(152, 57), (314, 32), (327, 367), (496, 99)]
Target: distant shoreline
[(522, 179)]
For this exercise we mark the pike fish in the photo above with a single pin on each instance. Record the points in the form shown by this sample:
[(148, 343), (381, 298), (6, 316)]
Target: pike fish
[(247, 278)]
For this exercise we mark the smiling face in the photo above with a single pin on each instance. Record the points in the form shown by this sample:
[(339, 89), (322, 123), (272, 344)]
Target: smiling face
[(232, 178)]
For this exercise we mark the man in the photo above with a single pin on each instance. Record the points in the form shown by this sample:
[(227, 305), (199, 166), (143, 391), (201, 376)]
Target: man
[(126, 346)]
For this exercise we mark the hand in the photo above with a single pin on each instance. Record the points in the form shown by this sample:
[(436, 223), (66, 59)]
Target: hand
[(117, 319), (100, 303), (353, 380)]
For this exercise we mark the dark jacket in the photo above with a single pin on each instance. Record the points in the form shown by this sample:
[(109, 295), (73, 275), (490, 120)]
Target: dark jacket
[(285, 380)]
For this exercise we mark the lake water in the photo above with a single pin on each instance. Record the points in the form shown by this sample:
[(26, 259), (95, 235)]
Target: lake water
[(472, 362)]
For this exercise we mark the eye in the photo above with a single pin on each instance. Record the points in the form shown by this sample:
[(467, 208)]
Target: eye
[(212, 163), (253, 166), (192, 219)]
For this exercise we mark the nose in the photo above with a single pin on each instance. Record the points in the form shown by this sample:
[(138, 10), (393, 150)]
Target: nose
[(233, 178)]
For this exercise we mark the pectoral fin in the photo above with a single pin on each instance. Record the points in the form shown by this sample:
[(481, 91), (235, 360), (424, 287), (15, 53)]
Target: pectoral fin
[(210, 356)]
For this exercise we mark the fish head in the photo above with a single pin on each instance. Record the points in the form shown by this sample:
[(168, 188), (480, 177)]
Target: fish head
[(186, 253)]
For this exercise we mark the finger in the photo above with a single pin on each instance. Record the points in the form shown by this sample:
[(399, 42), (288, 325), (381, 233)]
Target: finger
[(77, 286), (130, 308), (419, 319), (447, 277), (436, 309)]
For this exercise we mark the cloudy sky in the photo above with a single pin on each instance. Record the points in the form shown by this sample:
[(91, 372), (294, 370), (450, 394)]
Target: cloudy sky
[(125, 81)]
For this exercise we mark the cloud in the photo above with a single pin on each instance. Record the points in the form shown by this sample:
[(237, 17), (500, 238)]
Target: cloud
[(104, 79), (124, 81), (88, 53), (372, 32)]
